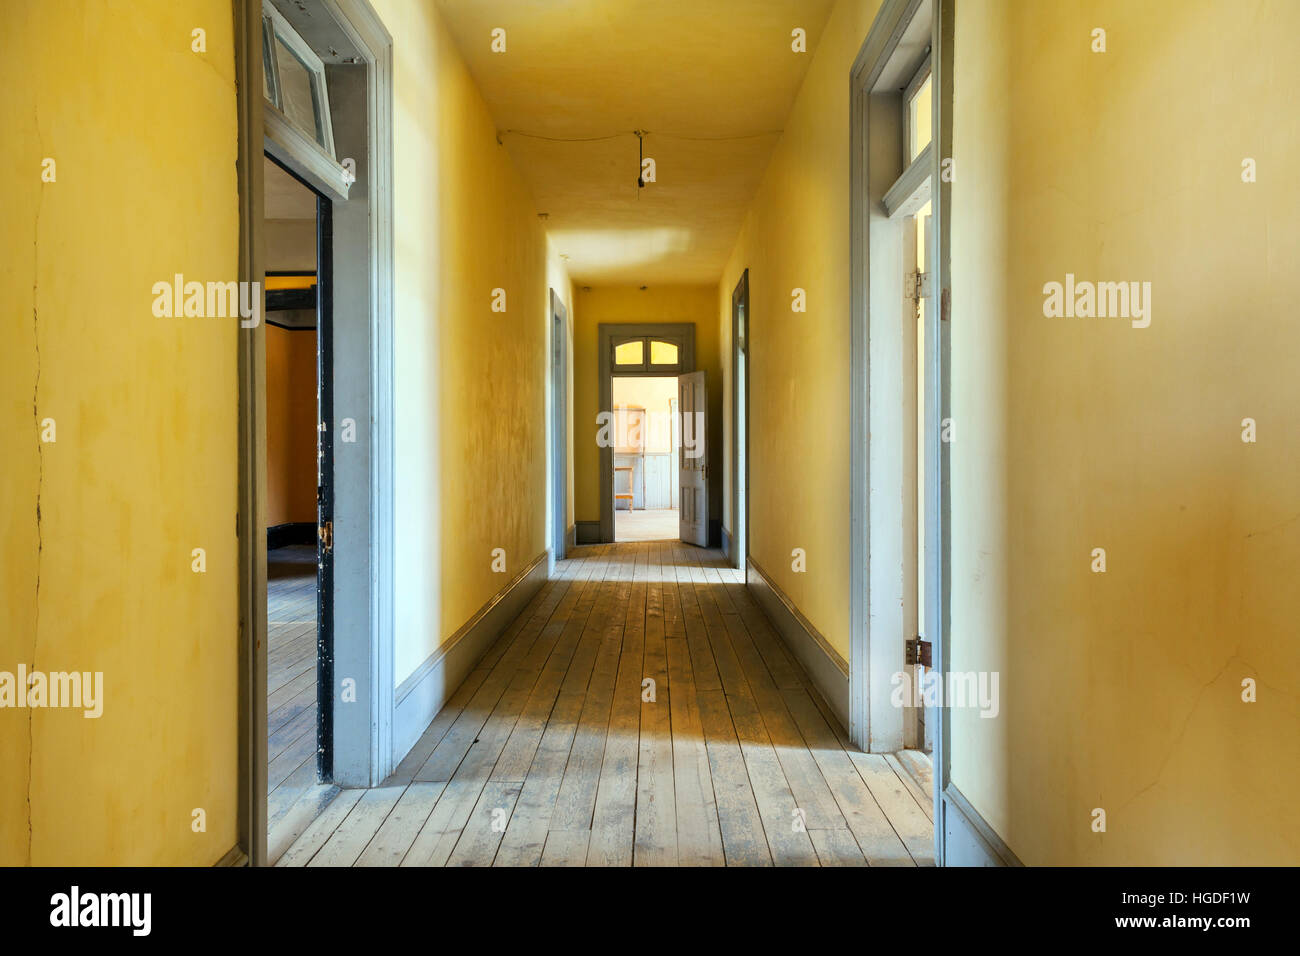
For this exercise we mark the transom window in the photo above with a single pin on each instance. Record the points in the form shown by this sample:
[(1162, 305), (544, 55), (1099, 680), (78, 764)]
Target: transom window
[(919, 102), (647, 353), (293, 79)]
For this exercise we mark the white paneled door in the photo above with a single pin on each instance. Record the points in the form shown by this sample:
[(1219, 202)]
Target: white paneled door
[(693, 470)]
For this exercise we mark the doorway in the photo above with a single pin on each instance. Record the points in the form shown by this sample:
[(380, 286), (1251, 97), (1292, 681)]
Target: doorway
[(647, 441), (901, 174), (740, 324), (300, 491), (321, 108), (664, 350), (559, 428)]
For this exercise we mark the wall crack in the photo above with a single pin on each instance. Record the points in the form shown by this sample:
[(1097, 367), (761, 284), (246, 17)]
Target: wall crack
[(40, 479)]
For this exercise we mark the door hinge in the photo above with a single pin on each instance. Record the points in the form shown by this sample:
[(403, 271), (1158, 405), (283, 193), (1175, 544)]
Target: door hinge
[(326, 534), (916, 285), (918, 652)]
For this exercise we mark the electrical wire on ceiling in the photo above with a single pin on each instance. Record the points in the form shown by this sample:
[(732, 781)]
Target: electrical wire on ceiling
[(640, 135), (634, 132)]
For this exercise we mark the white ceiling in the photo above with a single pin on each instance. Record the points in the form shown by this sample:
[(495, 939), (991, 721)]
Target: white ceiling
[(712, 81)]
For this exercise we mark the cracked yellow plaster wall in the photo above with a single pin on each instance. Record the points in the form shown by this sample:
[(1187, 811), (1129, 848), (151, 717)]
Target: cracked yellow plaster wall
[(142, 470)]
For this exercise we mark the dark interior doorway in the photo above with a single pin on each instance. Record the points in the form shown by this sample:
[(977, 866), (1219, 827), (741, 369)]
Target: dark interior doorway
[(300, 491)]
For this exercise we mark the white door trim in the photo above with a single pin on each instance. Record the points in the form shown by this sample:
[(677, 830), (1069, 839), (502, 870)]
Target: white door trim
[(363, 263), (903, 34)]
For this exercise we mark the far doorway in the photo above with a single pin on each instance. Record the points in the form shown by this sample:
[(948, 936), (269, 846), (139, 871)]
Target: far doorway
[(648, 351), (647, 439)]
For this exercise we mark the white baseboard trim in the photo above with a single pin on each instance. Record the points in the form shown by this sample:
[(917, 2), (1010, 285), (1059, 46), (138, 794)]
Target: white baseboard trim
[(418, 699), (828, 670), (967, 839)]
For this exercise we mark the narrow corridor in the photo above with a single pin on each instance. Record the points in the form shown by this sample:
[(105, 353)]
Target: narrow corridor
[(558, 751)]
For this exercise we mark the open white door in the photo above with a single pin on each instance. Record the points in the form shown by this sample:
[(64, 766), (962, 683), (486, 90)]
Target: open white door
[(693, 460)]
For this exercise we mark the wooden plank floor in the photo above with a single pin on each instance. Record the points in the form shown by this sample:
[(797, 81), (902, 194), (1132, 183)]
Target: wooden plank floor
[(294, 798), (641, 711)]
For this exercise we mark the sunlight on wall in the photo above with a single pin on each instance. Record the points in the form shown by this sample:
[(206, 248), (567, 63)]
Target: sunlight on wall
[(796, 236), (1122, 690), (469, 381)]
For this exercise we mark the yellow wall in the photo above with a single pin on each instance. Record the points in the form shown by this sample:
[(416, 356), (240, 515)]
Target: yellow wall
[(628, 304), (290, 426), (469, 382), (796, 235), (143, 132), (1122, 690)]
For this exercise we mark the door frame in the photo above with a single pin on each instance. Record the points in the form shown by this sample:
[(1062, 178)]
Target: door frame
[(740, 417), (559, 428), (896, 43), (607, 332), (362, 260)]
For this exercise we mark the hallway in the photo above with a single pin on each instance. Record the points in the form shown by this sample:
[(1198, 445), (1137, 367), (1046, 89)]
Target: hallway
[(552, 753)]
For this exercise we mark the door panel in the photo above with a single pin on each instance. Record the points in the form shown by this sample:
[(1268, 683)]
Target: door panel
[(693, 463)]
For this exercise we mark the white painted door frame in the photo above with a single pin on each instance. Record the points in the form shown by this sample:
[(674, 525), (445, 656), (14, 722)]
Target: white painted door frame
[(740, 366), (903, 34), (361, 100), (558, 420), (608, 334)]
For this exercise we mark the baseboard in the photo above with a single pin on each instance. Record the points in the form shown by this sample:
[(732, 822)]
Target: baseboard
[(587, 532), (967, 839), (235, 856), (418, 699), (726, 543), (570, 539), (827, 669), (293, 532)]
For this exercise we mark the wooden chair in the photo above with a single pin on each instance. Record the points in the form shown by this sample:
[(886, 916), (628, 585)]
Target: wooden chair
[(619, 495)]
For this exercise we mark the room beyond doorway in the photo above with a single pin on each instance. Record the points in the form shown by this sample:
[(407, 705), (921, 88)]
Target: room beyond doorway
[(647, 440)]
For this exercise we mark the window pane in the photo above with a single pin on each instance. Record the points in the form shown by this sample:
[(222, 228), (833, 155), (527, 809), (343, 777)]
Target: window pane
[(266, 74), (922, 228), (297, 91), (629, 353), (663, 353), (919, 120)]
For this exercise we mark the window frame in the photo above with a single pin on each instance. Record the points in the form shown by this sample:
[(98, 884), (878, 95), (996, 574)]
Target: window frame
[(923, 73), (276, 27), (646, 366)]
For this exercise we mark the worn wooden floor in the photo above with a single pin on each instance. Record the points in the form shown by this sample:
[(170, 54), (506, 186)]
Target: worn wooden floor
[(654, 525), (558, 750), (293, 795)]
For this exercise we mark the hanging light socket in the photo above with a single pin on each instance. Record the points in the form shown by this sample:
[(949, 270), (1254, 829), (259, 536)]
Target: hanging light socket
[(640, 158)]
